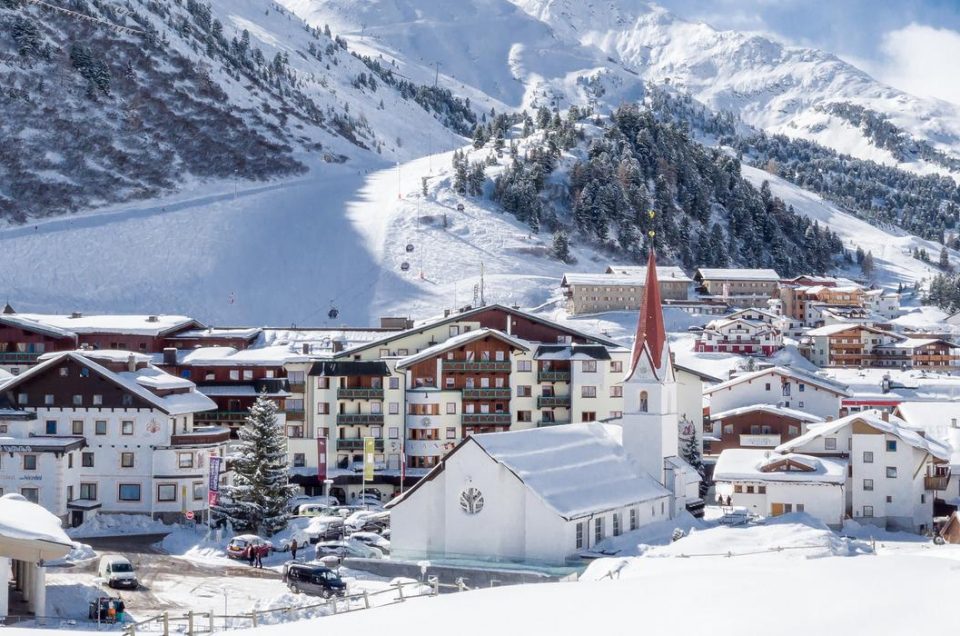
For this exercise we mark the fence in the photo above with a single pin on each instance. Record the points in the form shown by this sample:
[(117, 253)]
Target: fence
[(193, 623)]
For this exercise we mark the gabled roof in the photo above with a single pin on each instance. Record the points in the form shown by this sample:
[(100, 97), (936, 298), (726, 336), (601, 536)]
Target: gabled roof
[(748, 464), (829, 330), (131, 324), (651, 337), (27, 324), (767, 408), (788, 372), (719, 273), (458, 341), (572, 352), (134, 382), (874, 419)]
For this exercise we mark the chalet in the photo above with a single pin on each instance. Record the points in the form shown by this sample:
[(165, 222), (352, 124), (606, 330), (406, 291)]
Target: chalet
[(739, 335), (846, 345), (756, 426), (745, 287), (784, 387), (620, 288)]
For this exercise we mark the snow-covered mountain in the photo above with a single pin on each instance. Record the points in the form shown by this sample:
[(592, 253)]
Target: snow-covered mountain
[(775, 87)]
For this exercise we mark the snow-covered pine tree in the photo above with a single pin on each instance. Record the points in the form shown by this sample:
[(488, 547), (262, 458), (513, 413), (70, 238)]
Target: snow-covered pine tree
[(692, 455), (257, 499), (561, 245)]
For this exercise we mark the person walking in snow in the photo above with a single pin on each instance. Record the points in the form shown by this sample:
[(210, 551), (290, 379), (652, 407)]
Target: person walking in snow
[(293, 549), (261, 552), (250, 555)]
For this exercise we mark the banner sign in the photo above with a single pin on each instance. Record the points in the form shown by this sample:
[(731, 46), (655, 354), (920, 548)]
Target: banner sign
[(369, 447), (321, 458), (213, 483), (213, 498)]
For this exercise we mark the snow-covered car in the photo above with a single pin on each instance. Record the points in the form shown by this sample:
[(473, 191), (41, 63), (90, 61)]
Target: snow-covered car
[(371, 539), (347, 549), (237, 547), (300, 500), (368, 520), (307, 530)]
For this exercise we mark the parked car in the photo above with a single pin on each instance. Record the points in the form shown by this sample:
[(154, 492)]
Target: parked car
[(371, 539), (314, 529), (237, 547), (347, 549), (314, 580), (368, 520), (293, 505), (117, 571)]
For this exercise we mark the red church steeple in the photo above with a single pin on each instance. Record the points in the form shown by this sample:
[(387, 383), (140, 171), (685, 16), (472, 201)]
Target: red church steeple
[(651, 340)]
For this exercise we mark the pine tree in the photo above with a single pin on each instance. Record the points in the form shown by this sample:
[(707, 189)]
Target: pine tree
[(479, 137), (561, 245), (867, 266), (692, 455), (944, 260), (257, 499)]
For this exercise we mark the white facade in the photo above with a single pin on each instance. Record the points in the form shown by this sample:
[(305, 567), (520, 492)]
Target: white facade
[(778, 386)]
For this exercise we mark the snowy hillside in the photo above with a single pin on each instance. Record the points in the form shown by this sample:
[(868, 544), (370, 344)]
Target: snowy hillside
[(774, 87)]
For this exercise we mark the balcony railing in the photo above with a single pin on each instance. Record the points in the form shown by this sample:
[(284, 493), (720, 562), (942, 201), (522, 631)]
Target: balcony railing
[(297, 387), (357, 444), (553, 401), (936, 483), (553, 376), (360, 393), (502, 366), (222, 416), (499, 393), (294, 415), (759, 440), (201, 435), (344, 419), (19, 357), (473, 419), (541, 423)]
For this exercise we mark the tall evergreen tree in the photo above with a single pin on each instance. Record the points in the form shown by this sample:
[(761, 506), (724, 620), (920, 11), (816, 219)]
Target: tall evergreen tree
[(257, 499), (561, 245), (692, 455)]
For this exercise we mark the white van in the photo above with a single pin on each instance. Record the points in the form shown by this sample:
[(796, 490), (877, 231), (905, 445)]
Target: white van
[(117, 571)]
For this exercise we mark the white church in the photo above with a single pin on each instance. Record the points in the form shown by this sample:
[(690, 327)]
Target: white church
[(544, 495)]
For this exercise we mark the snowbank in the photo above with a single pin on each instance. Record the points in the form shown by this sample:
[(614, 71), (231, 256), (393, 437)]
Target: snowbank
[(112, 525)]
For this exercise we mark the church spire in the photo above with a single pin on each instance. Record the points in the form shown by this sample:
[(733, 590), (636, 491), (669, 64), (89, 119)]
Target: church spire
[(651, 340)]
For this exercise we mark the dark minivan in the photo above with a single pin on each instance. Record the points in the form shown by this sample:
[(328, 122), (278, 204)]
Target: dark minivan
[(314, 580)]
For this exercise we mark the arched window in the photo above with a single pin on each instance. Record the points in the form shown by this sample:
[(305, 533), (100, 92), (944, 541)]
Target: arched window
[(643, 401)]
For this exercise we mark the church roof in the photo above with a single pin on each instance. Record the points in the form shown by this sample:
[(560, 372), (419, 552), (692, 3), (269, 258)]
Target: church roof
[(651, 336)]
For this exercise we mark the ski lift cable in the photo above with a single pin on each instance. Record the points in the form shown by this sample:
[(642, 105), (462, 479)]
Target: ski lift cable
[(89, 18)]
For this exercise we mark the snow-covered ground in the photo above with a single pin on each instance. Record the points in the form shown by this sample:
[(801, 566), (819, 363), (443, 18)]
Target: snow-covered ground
[(110, 525)]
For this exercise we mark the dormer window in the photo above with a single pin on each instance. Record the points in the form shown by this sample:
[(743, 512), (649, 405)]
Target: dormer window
[(644, 402)]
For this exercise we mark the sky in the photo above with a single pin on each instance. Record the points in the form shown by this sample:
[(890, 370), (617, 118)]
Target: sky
[(913, 45)]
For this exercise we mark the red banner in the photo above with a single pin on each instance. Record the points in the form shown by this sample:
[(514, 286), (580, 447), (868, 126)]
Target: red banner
[(213, 498), (321, 458)]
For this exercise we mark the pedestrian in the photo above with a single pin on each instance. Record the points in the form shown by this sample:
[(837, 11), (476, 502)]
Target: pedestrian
[(261, 551), (293, 549), (251, 556), (728, 501)]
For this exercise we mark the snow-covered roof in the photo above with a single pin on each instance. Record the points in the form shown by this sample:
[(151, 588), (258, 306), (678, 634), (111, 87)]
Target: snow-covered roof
[(272, 355), (236, 390), (28, 324), (626, 275), (29, 532), (220, 332), (715, 273), (459, 341), (939, 420), (575, 469), (913, 385), (748, 464), (573, 352), (131, 324), (789, 372), (104, 355), (767, 408), (829, 330), (914, 343), (875, 419)]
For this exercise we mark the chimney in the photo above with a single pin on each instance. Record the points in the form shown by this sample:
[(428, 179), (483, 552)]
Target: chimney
[(337, 346), (76, 314), (170, 356), (305, 348), (131, 363), (152, 319)]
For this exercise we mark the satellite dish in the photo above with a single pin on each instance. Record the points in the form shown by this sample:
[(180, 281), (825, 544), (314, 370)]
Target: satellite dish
[(410, 247), (404, 266)]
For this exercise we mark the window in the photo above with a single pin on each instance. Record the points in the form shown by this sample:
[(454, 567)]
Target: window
[(868, 484), (830, 443), (616, 391), (598, 530), (524, 416), (499, 356), (31, 494), (867, 457), (579, 535), (800, 506), (801, 387), (64, 372), (762, 490), (451, 432), (248, 374), (126, 427), (100, 427), (767, 386), (22, 398), (923, 498), (376, 408), (454, 330), (644, 402), (128, 492), (891, 472), (86, 460), (78, 400), (633, 519), (77, 427), (793, 430), (868, 511), (738, 489), (800, 404), (891, 446), (88, 492), (393, 432), (234, 374), (48, 399), (616, 366), (785, 388), (29, 462), (749, 490), (451, 408), (588, 366), (323, 408), (185, 460), (616, 524), (166, 492), (51, 427), (394, 408), (587, 416), (394, 383), (889, 499), (126, 400), (588, 391), (126, 460), (199, 491), (524, 365), (524, 390), (97, 399), (85, 372), (299, 460)]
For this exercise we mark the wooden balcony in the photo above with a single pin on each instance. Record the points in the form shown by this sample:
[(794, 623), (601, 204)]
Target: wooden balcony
[(759, 440), (360, 393), (356, 443), (294, 415), (553, 401), (936, 483), (232, 417), (553, 376), (485, 419), (201, 435), (19, 357), (346, 419), (500, 393), (490, 366), (297, 387)]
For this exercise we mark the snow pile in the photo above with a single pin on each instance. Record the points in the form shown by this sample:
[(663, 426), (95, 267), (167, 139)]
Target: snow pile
[(289, 600), (114, 525), (78, 554), (27, 523), (640, 541)]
